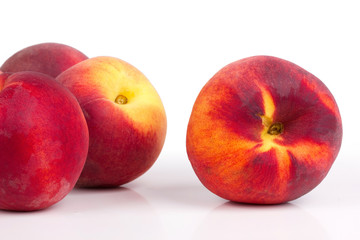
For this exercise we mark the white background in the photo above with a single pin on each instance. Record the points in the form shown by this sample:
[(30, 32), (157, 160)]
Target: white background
[(179, 46)]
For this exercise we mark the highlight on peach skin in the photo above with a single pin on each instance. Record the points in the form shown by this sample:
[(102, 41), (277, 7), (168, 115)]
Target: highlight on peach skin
[(264, 131), (125, 117), (43, 141), (48, 58)]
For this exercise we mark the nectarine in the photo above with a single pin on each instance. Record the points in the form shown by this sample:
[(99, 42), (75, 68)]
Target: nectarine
[(263, 130), (47, 58), (43, 141), (125, 116)]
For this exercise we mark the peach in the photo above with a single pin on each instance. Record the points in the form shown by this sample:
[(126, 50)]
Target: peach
[(125, 116), (263, 130), (47, 58), (43, 141)]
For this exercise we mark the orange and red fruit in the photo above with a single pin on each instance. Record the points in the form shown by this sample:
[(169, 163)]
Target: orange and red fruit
[(263, 130), (125, 116)]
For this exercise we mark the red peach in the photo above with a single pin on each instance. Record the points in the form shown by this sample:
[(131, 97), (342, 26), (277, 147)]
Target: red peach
[(263, 130), (48, 58), (43, 141), (125, 116)]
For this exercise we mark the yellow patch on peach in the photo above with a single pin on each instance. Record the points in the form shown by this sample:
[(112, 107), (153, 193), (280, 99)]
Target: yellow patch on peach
[(282, 156), (111, 77), (267, 119), (222, 154), (231, 143), (269, 105), (283, 160), (268, 140), (315, 154)]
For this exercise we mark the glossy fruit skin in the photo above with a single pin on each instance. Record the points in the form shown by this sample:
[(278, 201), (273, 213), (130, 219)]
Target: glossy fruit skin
[(48, 58), (228, 140), (43, 141), (125, 138)]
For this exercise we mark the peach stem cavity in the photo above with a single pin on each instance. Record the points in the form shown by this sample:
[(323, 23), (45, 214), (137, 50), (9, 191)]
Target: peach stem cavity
[(121, 99)]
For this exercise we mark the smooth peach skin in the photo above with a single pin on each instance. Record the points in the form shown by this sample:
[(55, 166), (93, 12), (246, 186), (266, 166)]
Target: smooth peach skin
[(48, 58), (125, 139), (43, 141), (228, 140)]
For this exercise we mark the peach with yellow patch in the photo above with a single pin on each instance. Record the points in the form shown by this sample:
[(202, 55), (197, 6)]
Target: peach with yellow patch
[(263, 130), (125, 116)]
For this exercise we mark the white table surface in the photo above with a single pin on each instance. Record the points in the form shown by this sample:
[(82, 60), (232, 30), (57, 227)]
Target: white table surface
[(169, 202)]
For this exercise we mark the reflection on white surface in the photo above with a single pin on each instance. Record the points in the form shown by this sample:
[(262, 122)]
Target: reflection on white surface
[(243, 221), (86, 214), (169, 202)]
